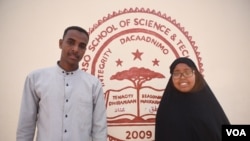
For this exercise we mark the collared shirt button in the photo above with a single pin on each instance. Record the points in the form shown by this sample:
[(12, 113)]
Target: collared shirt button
[(65, 131), (67, 100), (67, 84), (67, 73), (66, 116)]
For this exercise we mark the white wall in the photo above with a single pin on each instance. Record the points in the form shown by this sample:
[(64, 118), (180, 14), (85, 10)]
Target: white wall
[(30, 30)]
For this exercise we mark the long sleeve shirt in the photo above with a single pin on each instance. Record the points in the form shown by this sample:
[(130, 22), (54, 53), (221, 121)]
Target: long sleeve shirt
[(62, 106)]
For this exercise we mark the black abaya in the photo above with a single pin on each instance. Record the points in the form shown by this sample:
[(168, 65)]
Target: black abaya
[(193, 116)]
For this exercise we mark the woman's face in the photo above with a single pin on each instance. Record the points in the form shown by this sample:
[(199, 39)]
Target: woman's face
[(183, 77)]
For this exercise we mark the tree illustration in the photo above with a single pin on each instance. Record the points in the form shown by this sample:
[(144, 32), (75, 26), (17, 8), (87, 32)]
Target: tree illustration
[(137, 76)]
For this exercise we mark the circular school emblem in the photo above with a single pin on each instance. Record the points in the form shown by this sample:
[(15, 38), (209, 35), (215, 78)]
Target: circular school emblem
[(130, 51)]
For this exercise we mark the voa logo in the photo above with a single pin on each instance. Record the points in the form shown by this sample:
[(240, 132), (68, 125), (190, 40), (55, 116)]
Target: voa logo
[(236, 132)]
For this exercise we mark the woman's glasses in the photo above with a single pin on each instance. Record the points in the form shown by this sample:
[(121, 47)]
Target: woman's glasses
[(186, 74)]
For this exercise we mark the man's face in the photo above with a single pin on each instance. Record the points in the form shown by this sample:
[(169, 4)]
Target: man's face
[(73, 47)]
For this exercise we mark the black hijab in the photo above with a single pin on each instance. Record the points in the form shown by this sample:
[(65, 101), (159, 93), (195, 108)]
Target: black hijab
[(192, 116)]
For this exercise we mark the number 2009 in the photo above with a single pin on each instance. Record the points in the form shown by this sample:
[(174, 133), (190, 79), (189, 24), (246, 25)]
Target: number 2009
[(140, 134)]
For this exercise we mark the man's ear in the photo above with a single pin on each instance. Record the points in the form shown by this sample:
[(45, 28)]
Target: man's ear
[(60, 43)]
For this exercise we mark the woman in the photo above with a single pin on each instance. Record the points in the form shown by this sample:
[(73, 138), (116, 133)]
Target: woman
[(188, 110)]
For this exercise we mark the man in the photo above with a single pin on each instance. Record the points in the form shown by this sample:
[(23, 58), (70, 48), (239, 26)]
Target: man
[(63, 102)]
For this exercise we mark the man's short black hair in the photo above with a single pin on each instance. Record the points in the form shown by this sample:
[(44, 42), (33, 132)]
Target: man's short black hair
[(75, 28)]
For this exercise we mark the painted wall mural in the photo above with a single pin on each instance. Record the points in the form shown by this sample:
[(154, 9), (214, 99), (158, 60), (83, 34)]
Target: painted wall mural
[(130, 51)]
